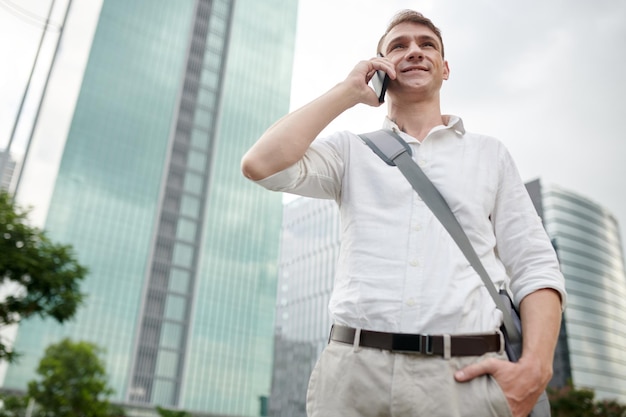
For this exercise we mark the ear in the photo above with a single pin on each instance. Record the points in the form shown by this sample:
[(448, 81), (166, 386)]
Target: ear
[(446, 70)]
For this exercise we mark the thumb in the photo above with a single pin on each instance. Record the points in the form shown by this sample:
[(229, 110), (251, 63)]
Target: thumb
[(472, 371)]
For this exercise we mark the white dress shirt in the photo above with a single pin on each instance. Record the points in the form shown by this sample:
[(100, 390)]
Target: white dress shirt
[(398, 268)]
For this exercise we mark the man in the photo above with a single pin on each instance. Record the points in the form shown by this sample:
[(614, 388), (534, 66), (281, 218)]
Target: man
[(399, 271)]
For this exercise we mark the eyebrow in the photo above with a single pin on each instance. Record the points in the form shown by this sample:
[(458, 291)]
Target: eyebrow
[(420, 38)]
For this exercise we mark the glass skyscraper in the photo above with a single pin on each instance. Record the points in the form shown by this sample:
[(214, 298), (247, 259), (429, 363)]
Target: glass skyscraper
[(309, 250), (590, 351), (7, 170), (181, 248)]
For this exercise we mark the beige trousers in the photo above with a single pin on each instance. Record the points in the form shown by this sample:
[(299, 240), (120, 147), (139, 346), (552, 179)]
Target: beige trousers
[(352, 381)]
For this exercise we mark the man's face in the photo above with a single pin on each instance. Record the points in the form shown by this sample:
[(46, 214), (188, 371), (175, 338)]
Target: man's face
[(415, 50)]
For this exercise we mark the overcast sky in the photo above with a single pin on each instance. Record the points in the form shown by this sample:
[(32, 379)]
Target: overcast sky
[(545, 77)]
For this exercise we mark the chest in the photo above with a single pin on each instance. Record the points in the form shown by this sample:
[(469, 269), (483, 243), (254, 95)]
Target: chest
[(466, 173)]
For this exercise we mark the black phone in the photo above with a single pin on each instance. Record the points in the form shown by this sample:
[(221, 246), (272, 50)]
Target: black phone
[(379, 82)]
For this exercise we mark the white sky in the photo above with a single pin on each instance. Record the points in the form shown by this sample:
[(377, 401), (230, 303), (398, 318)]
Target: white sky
[(545, 77)]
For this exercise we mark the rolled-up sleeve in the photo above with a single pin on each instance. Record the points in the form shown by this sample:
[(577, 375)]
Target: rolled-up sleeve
[(522, 242), (318, 174)]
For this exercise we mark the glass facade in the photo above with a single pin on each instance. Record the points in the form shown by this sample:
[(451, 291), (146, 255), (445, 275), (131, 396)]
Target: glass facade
[(181, 248), (8, 169), (589, 247), (309, 250)]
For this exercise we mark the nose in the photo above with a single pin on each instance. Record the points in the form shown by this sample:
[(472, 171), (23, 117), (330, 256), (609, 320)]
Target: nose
[(414, 52)]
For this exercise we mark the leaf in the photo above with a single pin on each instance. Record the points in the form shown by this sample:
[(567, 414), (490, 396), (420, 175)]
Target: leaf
[(44, 277)]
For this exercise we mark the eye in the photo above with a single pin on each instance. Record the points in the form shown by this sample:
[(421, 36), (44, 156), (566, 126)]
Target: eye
[(428, 44)]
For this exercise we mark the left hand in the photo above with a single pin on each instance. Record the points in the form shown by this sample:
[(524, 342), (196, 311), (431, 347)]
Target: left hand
[(522, 382)]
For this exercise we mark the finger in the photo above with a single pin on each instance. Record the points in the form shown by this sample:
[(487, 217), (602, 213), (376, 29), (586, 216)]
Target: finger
[(381, 63), (472, 371)]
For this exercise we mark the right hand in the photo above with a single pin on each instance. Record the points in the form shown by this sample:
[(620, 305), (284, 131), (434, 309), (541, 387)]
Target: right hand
[(358, 79)]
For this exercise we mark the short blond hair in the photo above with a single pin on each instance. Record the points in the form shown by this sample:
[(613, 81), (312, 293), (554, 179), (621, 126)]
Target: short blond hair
[(410, 16)]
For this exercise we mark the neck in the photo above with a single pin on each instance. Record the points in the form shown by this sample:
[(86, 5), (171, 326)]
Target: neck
[(416, 119)]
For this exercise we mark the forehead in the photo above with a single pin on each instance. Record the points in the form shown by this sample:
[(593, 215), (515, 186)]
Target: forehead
[(409, 30)]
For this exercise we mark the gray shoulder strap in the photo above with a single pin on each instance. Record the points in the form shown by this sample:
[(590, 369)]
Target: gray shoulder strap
[(395, 151)]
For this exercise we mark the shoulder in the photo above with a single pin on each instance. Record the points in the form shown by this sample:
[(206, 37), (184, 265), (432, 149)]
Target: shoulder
[(339, 142), (456, 127), (487, 143), (338, 137), (483, 139)]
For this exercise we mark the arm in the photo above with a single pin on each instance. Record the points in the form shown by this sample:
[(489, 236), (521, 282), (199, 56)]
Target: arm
[(522, 382), (536, 280), (541, 322), (284, 143)]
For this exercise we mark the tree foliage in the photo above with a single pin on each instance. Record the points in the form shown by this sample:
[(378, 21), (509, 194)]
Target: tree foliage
[(73, 382), (610, 408), (164, 412), (572, 402), (13, 405), (43, 276)]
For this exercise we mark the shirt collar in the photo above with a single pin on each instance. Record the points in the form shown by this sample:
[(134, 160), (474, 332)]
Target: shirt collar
[(451, 122)]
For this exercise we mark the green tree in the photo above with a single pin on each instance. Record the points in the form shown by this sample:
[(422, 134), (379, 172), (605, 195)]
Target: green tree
[(44, 276), (164, 412), (568, 401), (13, 405), (73, 382), (610, 409), (571, 402)]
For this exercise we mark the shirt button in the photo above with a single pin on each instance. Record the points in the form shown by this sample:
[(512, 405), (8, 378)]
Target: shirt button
[(410, 302), (414, 262), (417, 228), (421, 162)]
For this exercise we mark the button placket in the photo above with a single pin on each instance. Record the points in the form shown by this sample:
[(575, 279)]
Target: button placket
[(414, 268)]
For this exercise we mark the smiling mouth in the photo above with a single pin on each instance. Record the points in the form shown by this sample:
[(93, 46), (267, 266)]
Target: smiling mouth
[(412, 69)]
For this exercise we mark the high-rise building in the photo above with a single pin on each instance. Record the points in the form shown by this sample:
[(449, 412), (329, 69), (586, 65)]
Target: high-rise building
[(181, 248), (7, 170), (593, 335), (309, 250), (590, 351)]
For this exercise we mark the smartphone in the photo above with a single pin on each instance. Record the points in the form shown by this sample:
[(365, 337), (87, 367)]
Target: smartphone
[(379, 82)]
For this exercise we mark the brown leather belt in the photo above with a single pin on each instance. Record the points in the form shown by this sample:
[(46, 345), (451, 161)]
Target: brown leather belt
[(460, 345)]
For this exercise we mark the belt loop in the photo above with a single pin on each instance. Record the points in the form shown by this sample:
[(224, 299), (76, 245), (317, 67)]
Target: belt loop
[(447, 348), (502, 342), (426, 344), (357, 339)]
